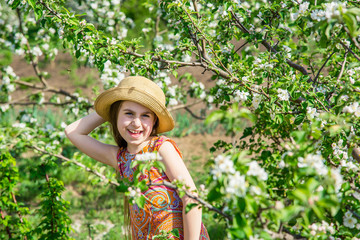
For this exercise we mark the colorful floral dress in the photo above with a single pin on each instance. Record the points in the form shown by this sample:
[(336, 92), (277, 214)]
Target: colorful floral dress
[(163, 207)]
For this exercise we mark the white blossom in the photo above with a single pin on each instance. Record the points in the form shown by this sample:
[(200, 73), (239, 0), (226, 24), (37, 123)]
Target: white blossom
[(223, 164), (46, 46), (351, 72), (240, 95), (282, 164), (172, 91), (303, 7), (344, 97), (332, 9), (4, 107), (283, 94), (256, 100), (36, 51), (148, 156), (312, 112), (356, 195), (313, 161), (318, 15), (236, 185), (19, 125), (256, 170), (255, 190), (337, 177), (186, 58), (353, 108), (173, 102), (9, 71), (350, 222), (145, 30)]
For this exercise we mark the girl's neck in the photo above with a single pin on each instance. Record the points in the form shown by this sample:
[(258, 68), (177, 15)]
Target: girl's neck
[(134, 149)]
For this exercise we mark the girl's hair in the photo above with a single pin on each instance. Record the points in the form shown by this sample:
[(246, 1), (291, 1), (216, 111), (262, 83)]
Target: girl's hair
[(114, 112)]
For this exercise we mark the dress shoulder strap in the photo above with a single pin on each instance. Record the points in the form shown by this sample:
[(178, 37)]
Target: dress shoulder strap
[(161, 139)]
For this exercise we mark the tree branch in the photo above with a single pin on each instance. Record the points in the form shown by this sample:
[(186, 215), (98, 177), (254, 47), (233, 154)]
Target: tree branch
[(77, 164), (46, 89), (268, 46), (342, 67), (31, 56), (351, 37), (184, 106), (351, 51), (317, 75), (193, 114)]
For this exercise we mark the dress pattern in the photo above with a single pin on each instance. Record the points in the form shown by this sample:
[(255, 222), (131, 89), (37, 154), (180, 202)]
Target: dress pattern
[(163, 207)]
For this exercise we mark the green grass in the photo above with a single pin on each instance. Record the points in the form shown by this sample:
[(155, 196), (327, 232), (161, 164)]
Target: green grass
[(5, 58)]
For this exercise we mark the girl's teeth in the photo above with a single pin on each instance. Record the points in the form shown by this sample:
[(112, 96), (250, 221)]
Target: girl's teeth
[(134, 131)]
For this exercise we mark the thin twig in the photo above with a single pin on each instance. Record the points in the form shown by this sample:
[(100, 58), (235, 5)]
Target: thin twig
[(77, 164), (203, 44), (317, 75), (29, 53), (325, 108), (37, 103), (184, 106), (241, 46), (7, 227), (204, 38), (351, 37), (353, 212), (46, 89), (193, 114), (351, 51), (342, 67)]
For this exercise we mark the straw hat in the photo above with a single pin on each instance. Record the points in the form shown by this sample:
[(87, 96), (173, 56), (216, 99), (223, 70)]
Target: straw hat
[(140, 90)]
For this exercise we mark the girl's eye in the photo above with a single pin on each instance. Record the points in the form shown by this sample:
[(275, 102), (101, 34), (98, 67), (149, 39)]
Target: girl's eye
[(128, 113), (146, 115)]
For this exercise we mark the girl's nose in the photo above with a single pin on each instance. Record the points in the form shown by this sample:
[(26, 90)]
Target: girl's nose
[(136, 122)]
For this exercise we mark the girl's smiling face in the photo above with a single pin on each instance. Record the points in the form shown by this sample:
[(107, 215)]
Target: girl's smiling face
[(135, 124)]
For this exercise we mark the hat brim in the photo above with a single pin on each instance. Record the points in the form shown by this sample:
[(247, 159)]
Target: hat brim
[(107, 98)]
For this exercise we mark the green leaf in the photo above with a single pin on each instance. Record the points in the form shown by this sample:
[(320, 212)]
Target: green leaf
[(32, 3), (175, 232), (299, 136), (15, 4), (142, 185), (299, 119), (140, 201), (247, 132), (214, 194), (290, 212), (122, 187), (241, 204), (214, 116), (38, 13), (301, 194)]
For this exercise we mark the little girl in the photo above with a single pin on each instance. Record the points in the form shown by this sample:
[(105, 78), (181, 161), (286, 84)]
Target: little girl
[(137, 113)]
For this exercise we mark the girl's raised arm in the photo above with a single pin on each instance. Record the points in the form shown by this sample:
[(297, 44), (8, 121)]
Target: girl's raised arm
[(176, 169), (78, 131)]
